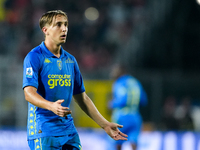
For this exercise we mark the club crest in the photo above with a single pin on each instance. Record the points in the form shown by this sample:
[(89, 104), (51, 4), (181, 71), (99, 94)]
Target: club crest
[(59, 64)]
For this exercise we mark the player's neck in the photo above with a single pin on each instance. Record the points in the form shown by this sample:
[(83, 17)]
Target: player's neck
[(52, 47)]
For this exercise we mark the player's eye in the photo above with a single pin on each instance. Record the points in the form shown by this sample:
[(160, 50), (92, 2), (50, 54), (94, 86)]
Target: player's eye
[(58, 24)]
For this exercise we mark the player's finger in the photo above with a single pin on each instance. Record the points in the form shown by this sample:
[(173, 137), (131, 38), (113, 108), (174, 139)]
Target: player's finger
[(119, 126), (119, 137), (64, 108), (64, 113), (60, 101), (123, 134), (122, 138), (61, 114), (67, 113)]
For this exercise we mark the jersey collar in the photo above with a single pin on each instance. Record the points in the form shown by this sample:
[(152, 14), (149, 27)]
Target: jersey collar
[(49, 53)]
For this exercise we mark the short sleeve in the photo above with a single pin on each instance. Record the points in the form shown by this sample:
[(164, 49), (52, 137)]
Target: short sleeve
[(78, 80), (31, 69)]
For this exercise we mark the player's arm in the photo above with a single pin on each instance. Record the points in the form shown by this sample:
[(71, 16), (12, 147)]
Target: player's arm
[(90, 109), (34, 98)]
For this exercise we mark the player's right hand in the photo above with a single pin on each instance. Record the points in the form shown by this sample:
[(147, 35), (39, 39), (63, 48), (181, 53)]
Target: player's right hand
[(59, 110)]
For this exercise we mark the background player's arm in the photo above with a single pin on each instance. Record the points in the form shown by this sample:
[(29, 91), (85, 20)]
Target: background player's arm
[(89, 108), (34, 98)]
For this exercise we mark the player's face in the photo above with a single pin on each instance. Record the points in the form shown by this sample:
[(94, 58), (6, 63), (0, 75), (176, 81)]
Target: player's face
[(115, 72), (57, 31)]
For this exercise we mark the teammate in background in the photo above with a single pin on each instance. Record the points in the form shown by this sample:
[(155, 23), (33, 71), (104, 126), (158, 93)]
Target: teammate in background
[(128, 94), (51, 77)]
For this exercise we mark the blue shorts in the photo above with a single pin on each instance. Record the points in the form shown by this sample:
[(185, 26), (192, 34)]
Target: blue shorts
[(68, 142)]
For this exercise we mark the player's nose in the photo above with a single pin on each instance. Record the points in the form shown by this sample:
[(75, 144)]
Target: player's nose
[(64, 28)]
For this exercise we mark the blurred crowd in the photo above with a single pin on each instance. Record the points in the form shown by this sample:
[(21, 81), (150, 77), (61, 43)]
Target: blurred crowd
[(93, 42), (180, 114)]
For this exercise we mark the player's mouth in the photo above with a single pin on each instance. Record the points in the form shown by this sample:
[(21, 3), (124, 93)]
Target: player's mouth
[(63, 36)]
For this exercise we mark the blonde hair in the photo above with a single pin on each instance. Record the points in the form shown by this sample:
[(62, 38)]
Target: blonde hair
[(47, 18)]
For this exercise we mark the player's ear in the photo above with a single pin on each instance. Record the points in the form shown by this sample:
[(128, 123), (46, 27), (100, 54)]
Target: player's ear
[(45, 31)]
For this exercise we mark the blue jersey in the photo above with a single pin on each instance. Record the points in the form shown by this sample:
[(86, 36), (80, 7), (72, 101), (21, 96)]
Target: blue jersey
[(55, 78), (128, 94)]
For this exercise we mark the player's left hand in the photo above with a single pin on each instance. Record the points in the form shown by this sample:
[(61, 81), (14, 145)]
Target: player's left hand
[(113, 131)]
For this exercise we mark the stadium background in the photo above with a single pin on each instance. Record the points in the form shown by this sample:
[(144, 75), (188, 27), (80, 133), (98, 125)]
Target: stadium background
[(158, 40)]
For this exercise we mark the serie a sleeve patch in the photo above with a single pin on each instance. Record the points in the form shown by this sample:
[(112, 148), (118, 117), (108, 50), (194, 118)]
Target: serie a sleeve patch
[(29, 72)]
